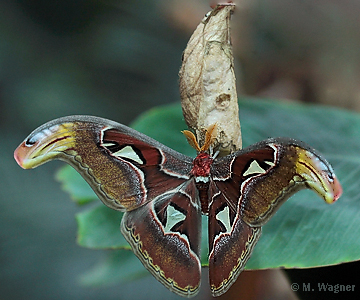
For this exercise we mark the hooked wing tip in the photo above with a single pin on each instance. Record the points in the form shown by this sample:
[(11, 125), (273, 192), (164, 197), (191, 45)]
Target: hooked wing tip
[(337, 189), (19, 155), (318, 174)]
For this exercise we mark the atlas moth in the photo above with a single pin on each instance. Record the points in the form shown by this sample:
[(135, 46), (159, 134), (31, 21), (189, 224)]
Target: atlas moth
[(163, 192)]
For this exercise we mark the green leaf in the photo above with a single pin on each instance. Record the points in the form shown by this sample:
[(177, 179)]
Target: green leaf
[(305, 232), (119, 265), (99, 227), (75, 185), (165, 124)]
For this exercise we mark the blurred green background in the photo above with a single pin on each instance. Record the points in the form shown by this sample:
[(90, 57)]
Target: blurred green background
[(110, 59), (116, 59)]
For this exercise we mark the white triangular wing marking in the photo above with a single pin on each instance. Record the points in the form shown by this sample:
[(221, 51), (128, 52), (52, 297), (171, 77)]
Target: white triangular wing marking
[(173, 217), (128, 152), (224, 217), (254, 168), (270, 163)]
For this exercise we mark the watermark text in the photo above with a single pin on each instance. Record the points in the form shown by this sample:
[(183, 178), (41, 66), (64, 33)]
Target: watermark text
[(322, 287)]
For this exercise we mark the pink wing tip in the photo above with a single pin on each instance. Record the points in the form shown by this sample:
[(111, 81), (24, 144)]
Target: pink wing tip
[(19, 154), (337, 189)]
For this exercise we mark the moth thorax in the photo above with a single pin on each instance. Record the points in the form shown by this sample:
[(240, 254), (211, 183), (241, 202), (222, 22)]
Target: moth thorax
[(201, 166), (203, 189)]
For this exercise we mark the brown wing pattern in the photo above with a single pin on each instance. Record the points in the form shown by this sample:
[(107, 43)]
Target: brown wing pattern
[(165, 235), (231, 240), (247, 188), (132, 172), (159, 192), (125, 168)]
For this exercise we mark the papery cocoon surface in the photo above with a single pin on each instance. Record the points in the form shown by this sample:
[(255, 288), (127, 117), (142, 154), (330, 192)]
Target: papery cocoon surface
[(207, 81)]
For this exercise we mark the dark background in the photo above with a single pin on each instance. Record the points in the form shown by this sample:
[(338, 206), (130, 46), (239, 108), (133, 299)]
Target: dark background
[(57, 58), (116, 59)]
